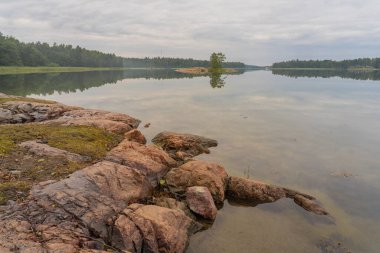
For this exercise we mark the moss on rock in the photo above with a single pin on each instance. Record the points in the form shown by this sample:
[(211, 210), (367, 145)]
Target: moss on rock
[(84, 140)]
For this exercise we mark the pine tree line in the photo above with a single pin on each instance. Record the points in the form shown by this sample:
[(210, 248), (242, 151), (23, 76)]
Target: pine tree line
[(329, 64), (16, 53)]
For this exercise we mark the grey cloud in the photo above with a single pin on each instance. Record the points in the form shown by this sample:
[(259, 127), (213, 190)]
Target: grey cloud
[(253, 31)]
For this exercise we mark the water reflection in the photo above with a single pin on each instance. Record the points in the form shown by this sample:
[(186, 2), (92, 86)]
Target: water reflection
[(48, 83), (299, 133), (351, 74), (216, 80)]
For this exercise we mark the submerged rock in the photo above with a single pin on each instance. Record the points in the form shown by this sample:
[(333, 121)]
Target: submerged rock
[(183, 146), (148, 159), (309, 205), (200, 201), (199, 173), (256, 192)]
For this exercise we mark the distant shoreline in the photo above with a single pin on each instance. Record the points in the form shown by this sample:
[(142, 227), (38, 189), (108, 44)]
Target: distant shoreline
[(203, 70), (337, 69), (5, 70)]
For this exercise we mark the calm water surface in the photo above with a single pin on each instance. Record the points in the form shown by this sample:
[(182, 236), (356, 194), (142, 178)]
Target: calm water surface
[(317, 135)]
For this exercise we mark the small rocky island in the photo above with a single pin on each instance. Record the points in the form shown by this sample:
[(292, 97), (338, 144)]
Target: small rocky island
[(80, 180)]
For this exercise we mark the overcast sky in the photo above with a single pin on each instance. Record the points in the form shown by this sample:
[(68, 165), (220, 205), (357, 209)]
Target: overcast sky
[(251, 31)]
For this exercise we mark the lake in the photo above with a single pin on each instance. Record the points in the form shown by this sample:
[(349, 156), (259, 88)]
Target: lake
[(316, 132)]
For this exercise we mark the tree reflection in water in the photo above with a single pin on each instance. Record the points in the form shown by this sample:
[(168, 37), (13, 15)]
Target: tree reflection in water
[(216, 80)]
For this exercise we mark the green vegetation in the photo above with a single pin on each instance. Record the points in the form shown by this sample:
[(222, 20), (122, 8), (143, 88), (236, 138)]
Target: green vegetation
[(3, 100), (31, 169), (164, 62), (356, 64), (13, 190), (84, 140), (327, 73), (16, 53), (216, 61)]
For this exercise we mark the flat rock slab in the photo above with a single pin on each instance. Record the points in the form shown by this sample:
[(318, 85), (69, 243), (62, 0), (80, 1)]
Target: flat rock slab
[(113, 122), (100, 114), (46, 150), (199, 173), (182, 146), (150, 228), (255, 192), (150, 160), (200, 201), (24, 112)]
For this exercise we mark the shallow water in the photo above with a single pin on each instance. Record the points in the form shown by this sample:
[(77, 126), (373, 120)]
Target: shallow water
[(317, 135)]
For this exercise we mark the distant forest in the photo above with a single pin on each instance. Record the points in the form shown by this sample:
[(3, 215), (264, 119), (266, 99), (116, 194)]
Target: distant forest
[(329, 64), (16, 53)]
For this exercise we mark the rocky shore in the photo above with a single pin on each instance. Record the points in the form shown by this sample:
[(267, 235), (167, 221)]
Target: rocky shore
[(90, 183)]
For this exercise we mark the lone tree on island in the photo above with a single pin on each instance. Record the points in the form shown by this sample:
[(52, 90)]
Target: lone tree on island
[(216, 60)]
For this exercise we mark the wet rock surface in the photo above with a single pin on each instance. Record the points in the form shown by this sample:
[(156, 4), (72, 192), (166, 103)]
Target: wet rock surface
[(256, 192), (199, 173), (309, 205), (200, 201), (182, 146)]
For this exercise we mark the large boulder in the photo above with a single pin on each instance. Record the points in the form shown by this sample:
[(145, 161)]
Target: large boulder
[(150, 160), (150, 228), (182, 146), (254, 192), (199, 173), (75, 213), (96, 193), (200, 201)]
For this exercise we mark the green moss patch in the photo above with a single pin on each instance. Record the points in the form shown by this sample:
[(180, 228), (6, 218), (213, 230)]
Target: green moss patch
[(84, 140), (13, 190), (20, 170), (25, 99)]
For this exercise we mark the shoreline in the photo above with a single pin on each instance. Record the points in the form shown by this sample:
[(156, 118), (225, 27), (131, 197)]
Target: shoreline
[(203, 71), (88, 180), (335, 69), (5, 70)]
